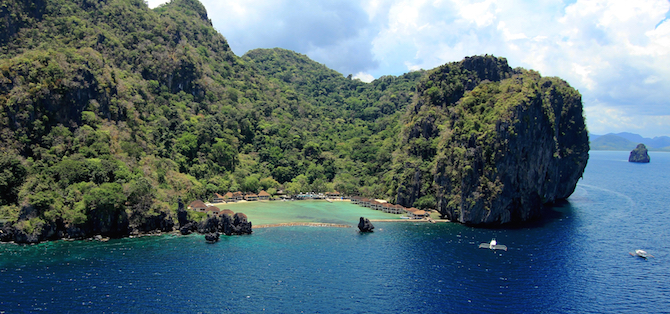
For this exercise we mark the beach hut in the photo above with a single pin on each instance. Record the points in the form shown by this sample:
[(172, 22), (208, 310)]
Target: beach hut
[(238, 196), (197, 205), (376, 205), (228, 197), (388, 208), (335, 194), (251, 197), (399, 209), (227, 212), (218, 198), (416, 213), (263, 196), (212, 210)]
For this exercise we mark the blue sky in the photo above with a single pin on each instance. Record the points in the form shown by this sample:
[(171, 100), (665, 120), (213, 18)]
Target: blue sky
[(616, 53)]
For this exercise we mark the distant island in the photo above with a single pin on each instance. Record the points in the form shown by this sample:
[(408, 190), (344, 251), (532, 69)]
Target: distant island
[(111, 111), (628, 141)]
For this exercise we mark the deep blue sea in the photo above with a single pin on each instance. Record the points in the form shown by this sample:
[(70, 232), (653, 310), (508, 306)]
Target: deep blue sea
[(575, 261)]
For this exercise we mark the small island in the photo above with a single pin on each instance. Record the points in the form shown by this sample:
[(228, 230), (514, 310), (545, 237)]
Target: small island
[(639, 154)]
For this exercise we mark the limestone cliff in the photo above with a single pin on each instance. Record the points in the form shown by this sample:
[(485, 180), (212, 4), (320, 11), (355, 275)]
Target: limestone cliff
[(487, 144)]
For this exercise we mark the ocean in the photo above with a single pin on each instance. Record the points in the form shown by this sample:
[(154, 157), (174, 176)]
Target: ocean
[(574, 261)]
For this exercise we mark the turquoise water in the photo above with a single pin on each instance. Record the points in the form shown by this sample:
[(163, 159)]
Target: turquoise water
[(337, 212), (575, 261)]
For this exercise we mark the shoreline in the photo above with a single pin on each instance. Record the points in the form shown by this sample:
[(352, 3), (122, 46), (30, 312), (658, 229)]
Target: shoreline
[(411, 220), (324, 224), (308, 224), (289, 200), (262, 226)]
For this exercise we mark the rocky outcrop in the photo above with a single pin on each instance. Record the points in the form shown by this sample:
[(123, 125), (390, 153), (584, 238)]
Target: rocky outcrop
[(182, 215), (188, 228), (236, 225), (492, 145), (161, 222), (639, 154), (7, 233), (364, 225), (31, 227), (240, 224), (212, 237)]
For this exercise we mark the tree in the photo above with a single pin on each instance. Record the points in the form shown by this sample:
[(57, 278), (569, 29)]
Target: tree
[(251, 184), (268, 183), (224, 155), (106, 208), (12, 175)]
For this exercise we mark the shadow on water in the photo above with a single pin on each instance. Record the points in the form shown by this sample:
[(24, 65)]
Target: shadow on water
[(550, 213)]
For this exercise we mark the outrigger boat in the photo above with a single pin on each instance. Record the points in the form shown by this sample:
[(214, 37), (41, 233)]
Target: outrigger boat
[(641, 254), (493, 245)]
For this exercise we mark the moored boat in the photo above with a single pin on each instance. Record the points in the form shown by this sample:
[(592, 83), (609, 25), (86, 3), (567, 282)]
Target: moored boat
[(641, 254), (493, 245)]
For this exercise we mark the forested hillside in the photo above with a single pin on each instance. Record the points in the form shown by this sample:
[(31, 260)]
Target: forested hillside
[(110, 112)]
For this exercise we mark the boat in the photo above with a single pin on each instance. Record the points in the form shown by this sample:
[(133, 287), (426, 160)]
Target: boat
[(493, 245), (641, 254)]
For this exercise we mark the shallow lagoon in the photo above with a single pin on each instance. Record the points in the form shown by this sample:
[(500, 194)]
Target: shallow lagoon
[(337, 212)]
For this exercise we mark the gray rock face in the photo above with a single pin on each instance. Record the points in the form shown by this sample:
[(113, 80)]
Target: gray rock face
[(492, 144), (364, 225), (212, 237), (225, 224), (639, 154)]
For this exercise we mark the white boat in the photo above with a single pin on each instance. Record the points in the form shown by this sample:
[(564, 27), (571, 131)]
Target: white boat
[(493, 245), (641, 254)]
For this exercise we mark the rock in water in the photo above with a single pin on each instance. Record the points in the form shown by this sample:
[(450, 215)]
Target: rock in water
[(364, 225), (639, 154), (487, 144), (212, 237)]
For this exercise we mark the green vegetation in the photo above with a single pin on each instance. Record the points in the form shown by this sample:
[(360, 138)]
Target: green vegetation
[(110, 111), (468, 137)]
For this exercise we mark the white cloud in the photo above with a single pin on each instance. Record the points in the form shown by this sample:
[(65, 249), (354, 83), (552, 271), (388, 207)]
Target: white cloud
[(614, 52), (652, 79), (602, 119), (584, 72), (154, 3), (508, 35), (480, 13), (365, 77), (337, 33)]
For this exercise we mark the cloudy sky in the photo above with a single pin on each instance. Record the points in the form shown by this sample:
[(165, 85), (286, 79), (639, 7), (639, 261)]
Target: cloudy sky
[(616, 53)]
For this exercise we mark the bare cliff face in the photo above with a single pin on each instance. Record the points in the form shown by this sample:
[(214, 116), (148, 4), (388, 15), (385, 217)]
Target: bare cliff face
[(487, 144)]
